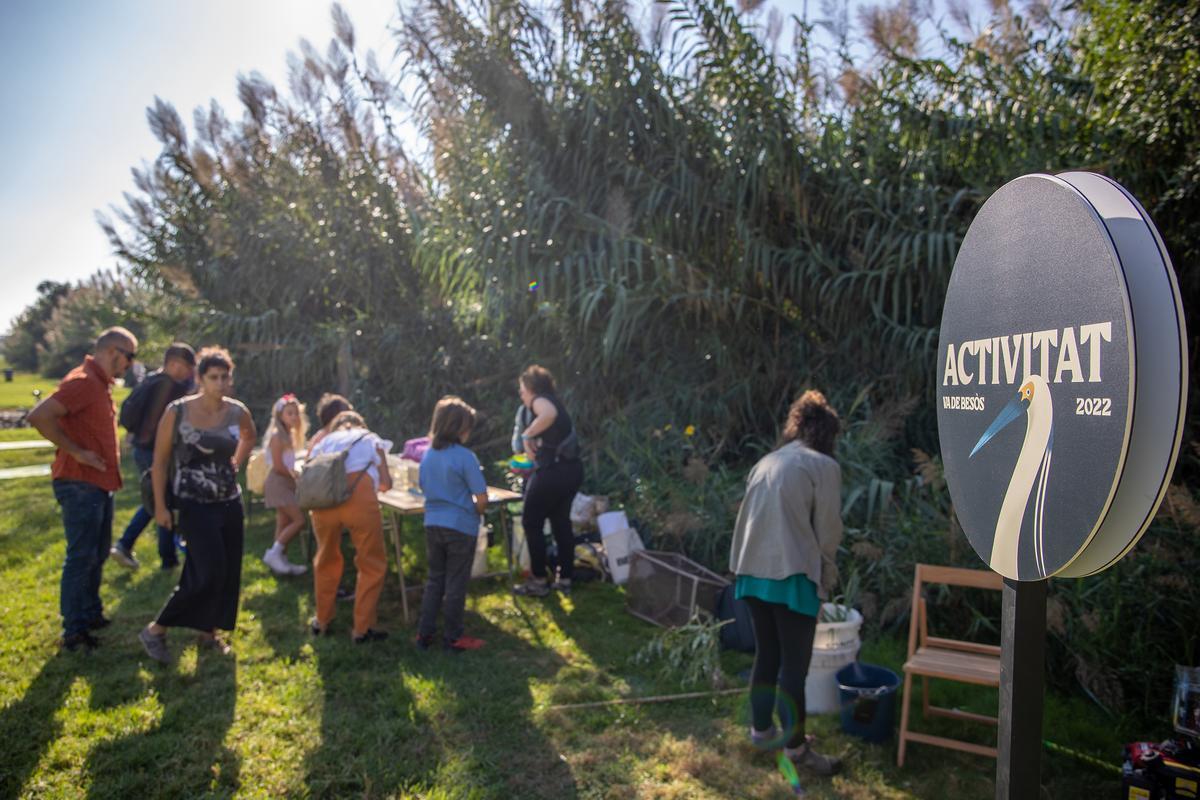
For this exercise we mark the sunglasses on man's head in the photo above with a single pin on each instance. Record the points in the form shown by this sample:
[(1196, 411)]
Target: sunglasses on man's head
[(130, 355)]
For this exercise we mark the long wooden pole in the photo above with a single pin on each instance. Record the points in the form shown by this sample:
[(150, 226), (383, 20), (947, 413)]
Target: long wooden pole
[(661, 698)]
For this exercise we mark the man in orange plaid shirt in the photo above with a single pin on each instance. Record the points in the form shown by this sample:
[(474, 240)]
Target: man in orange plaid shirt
[(80, 419)]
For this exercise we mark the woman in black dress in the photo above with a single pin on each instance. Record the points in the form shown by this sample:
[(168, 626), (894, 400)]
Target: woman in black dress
[(207, 436)]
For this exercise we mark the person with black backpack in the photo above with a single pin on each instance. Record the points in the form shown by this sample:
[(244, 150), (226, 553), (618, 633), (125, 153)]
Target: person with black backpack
[(551, 441), (140, 414)]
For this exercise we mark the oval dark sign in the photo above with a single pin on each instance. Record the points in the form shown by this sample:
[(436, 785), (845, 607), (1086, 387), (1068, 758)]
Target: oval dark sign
[(1061, 376)]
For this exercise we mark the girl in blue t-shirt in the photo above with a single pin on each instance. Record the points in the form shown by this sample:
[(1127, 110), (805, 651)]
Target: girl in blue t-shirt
[(455, 497)]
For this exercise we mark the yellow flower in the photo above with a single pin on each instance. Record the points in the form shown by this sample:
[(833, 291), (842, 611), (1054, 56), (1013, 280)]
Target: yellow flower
[(690, 430), (667, 427)]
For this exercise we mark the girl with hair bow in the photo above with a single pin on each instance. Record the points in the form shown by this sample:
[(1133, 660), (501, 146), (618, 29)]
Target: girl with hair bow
[(285, 435)]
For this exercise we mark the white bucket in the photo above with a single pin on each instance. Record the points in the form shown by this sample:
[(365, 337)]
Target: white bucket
[(612, 522), (520, 547), (821, 695), (479, 565), (618, 547), (836, 635)]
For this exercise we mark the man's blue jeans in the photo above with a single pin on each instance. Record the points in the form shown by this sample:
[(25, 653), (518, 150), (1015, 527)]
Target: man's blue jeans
[(144, 457), (87, 512)]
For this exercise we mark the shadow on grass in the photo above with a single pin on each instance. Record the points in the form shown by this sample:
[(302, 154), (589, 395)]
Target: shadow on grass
[(31, 568), (112, 678), (281, 613), (396, 720), (31, 724), (483, 708), (185, 754)]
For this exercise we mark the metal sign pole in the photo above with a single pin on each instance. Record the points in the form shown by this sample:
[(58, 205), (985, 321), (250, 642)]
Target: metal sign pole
[(1022, 684)]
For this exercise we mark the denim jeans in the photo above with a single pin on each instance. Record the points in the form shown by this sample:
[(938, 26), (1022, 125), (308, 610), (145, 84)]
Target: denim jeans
[(451, 554), (87, 512), (144, 457)]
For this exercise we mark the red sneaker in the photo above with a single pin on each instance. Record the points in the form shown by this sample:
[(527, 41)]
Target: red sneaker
[(464, 643)]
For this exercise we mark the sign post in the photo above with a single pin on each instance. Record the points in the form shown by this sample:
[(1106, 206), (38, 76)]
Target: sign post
[(1022, 660), (1062, 319)]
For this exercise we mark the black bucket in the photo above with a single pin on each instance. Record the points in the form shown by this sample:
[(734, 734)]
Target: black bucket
[(868, 696)]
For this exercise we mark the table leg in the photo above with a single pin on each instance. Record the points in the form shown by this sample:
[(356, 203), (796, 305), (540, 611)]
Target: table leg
[(506, 532), (394, 523)]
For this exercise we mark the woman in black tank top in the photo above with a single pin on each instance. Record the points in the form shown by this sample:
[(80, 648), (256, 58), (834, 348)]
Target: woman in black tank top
[(205, 438), (557, 475)]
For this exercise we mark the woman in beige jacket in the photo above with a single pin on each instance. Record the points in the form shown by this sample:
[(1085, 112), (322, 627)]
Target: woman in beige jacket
[(787, 534)]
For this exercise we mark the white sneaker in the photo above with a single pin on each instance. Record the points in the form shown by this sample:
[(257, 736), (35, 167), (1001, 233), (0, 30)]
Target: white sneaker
[(277, 562), (297, 569)]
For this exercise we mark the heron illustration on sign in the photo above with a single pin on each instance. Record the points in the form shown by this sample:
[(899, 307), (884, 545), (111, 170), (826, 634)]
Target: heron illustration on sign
[(1032, 469)]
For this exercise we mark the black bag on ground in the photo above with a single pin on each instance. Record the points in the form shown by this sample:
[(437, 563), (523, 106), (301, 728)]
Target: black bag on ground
[(738, 634)]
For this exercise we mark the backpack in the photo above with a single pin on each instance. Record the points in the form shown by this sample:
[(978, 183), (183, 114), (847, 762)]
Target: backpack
[(133, 409), (322, 483)]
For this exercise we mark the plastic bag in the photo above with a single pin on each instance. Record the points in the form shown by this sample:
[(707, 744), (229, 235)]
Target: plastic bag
[(1185, 712)]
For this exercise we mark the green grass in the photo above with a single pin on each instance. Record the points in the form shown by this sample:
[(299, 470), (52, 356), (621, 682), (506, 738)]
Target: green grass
[(19, 393), (291, 716), (22, 458)]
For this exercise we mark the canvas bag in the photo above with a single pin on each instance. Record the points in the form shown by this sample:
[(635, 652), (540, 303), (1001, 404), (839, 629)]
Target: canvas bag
[(256, 471), (322, 484)]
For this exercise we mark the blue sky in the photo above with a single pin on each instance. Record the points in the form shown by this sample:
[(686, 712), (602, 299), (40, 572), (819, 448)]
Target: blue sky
[(77, 78)]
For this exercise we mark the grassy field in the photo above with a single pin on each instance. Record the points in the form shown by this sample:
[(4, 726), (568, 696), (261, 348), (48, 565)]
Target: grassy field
[(19, 393), (22, 458), (292, 716)]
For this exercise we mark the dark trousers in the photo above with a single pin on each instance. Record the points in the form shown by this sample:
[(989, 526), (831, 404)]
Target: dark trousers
[(784, 643), (144, 457), (548, 495), (450, 554), (87, 512), (207, 595)]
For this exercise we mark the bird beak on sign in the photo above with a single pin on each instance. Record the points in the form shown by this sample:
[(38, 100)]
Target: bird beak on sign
[(1015, 408)]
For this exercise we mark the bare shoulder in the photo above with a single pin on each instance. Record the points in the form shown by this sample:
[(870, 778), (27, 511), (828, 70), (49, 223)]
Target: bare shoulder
[(231, 402), (542, 405), (176, 407)]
